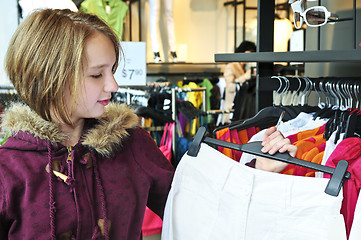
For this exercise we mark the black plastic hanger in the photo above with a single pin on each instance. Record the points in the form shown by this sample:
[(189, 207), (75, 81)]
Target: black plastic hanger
[(339, 174), (351, 125)]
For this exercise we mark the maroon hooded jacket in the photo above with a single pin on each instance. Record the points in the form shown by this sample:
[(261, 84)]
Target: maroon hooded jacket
[(107, 179)]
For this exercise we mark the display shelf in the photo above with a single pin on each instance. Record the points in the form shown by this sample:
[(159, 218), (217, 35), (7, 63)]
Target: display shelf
[(182, 69), (304, 56)]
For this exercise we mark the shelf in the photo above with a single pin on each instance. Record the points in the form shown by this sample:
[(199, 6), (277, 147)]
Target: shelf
[(182, 69), (305, 56)]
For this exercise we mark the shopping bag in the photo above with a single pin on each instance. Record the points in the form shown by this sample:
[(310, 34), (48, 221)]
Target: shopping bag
[(166, 141)]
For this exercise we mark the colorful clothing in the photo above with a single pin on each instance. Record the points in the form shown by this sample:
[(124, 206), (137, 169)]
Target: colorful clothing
[(237, 137), (309, 144)]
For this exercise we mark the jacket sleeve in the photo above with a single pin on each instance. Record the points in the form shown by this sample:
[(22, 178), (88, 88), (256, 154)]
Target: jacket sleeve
[(4, 224), (159, 169)]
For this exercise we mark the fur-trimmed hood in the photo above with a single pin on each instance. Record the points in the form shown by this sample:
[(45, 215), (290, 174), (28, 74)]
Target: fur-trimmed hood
[(107, 135)]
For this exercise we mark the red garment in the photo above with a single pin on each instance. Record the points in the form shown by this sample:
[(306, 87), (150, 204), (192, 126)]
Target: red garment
[(237, 137), (349, 150), (225, 135)]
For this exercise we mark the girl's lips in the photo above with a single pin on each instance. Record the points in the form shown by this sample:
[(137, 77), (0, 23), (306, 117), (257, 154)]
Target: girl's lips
[(104, 102)]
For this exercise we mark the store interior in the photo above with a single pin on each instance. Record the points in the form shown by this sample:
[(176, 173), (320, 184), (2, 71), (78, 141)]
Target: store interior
[(292, 70)]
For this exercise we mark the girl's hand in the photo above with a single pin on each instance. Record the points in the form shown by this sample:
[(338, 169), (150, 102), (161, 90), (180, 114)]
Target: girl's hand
[(272, 142)]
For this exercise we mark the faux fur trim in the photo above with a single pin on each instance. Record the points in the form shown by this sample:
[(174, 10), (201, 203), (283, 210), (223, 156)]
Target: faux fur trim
[(112, 130), (19, 117), (105, 137)]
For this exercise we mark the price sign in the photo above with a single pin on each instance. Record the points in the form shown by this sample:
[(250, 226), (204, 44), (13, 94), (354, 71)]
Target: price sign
[(132, 66)]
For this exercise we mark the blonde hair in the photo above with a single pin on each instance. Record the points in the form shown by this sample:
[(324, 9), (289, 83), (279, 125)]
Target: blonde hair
[(46, 54)]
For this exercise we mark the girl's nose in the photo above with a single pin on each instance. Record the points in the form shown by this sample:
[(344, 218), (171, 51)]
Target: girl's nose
[(111, 84)]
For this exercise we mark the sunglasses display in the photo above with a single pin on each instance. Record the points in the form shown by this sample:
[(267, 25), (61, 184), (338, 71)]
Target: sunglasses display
[(313, 16)]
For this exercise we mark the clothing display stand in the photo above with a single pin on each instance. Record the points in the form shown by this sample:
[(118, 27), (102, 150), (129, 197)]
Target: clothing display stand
[(265, 57)]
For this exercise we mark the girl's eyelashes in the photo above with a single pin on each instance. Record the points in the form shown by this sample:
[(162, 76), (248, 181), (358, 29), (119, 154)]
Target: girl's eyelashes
[(96, 76)]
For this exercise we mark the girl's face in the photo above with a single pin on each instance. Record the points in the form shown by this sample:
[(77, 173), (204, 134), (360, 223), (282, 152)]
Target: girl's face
[(98, 79)]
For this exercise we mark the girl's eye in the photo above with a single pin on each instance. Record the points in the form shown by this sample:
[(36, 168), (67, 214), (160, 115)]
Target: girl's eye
[(96, 76)]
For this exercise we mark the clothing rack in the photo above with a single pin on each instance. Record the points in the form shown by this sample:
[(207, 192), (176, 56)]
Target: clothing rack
[(218, 111), (174, 110), (7, 89), (339, 174), (131, 92)]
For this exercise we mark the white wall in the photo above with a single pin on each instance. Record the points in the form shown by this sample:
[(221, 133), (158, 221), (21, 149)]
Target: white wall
[(8, 24)]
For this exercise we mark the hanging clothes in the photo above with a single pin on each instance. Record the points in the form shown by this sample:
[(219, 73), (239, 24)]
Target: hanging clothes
[(213, 197), (245, 101), (319, 139), (112, 12), (302, 123), (234, 136), (209, 86), (349, 150), (309, 144)]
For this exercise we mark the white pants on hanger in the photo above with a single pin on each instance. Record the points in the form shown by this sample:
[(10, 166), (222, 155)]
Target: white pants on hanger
[(215, 198), (154, 15)]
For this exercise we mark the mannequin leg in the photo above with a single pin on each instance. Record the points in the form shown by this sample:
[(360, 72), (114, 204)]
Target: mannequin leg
[(154, 7), (168, 8), (168, 5)]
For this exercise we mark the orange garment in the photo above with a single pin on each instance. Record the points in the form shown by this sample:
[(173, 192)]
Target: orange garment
[(306, 134), (317, 159), (309, 144), (305, 145), (243, 136), (314, 155)]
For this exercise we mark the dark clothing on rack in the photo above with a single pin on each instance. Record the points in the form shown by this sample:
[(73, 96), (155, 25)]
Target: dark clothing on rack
[(159, 116), (245, 101), (215, 98), (156, 99)]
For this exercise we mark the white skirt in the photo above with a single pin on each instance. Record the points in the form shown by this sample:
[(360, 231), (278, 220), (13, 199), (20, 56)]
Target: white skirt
[(215, 198)]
